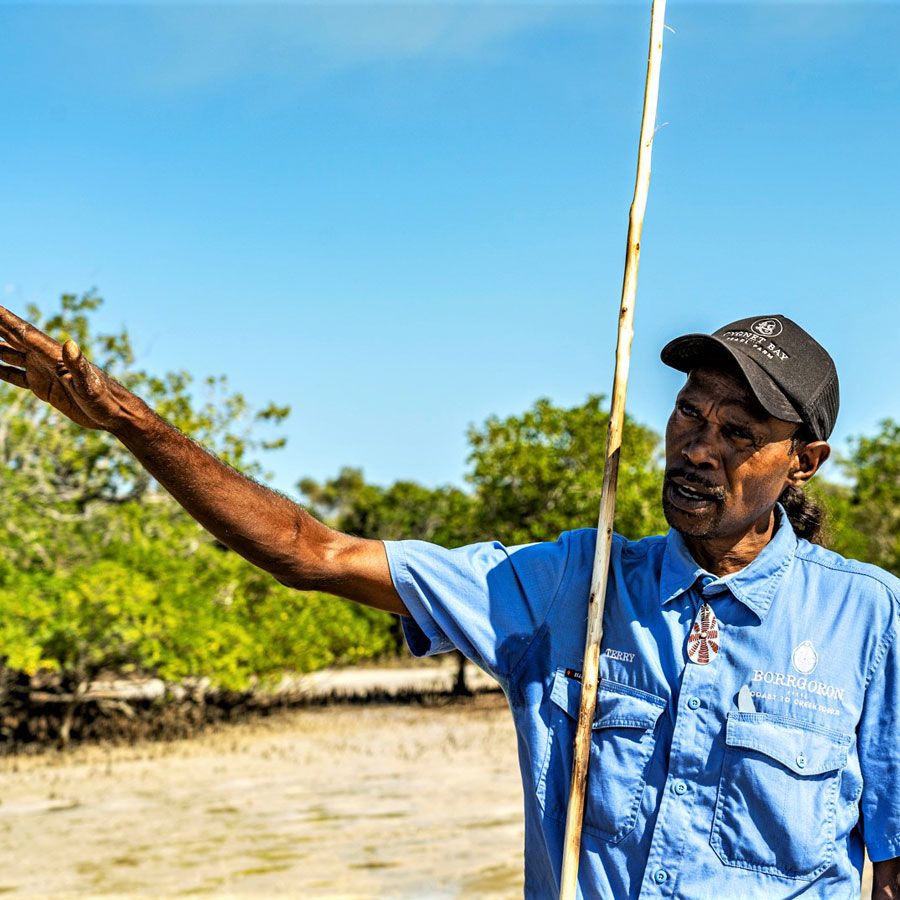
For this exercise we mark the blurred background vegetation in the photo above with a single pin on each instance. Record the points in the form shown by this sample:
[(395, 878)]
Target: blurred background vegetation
[(102, 573)]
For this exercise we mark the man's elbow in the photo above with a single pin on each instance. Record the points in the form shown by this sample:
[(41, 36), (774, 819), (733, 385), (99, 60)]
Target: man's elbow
[(303, 575), (306, 554)]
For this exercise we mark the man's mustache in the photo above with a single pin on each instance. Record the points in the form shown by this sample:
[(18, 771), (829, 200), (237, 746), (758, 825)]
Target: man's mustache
[(716, 491)]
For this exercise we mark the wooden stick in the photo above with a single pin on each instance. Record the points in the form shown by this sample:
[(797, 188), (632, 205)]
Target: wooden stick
[(597, 602)]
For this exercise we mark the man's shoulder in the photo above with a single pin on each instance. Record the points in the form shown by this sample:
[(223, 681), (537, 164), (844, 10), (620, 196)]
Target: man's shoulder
[(582, 542), (589, 535), (861, 577), (652, 543)]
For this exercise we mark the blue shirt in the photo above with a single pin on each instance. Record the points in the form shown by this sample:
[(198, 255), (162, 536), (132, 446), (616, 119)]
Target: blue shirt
[(696, 788)]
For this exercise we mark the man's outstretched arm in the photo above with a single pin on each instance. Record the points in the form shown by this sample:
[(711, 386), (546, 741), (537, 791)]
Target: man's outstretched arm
[(263, 526)]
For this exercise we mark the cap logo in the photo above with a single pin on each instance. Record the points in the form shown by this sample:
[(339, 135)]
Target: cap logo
[(767, 327)]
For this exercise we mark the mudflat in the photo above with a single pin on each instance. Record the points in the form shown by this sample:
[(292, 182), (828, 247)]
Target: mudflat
[(346, 801), (413, 801)]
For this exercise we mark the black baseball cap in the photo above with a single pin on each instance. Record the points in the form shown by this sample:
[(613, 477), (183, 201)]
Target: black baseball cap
[(789, 372)]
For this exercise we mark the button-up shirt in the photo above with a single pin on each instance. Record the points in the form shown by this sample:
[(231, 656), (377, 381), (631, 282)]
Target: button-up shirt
[(759, 765)]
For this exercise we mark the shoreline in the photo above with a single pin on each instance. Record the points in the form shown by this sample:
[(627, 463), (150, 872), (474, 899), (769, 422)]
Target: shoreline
[(121, 711)]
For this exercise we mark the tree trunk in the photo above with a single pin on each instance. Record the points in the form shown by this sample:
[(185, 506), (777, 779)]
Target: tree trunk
[(65, 727), (460, 688)]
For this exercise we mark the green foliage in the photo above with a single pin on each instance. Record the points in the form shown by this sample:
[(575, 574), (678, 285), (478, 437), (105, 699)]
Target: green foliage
[(444, 515), (864, 517), (101, 570), (308, 631), (99, 615), (541, 473), (176, 606)]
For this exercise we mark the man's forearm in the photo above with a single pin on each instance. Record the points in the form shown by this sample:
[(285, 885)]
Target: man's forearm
[(260, 524)]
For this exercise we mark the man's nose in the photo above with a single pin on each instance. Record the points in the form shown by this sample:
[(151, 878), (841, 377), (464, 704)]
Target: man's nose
[(700, 451)]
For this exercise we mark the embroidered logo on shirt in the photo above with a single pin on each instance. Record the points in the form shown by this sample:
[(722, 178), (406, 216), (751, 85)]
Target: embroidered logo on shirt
[(804, 658), (572, 673), (795, 685)]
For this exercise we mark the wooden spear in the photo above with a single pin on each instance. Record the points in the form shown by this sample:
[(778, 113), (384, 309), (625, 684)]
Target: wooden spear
[(591, 664)]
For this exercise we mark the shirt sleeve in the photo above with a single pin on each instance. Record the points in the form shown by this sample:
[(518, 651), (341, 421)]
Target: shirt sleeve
[(879, 752), (487, 600)]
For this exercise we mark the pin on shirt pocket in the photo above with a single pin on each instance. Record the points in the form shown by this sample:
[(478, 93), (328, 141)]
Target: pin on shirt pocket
[(622, 742)]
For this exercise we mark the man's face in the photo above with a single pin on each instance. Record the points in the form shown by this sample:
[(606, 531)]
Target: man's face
[(727, 459)]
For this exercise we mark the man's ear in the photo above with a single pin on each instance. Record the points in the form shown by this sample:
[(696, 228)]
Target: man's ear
[(807, 460)]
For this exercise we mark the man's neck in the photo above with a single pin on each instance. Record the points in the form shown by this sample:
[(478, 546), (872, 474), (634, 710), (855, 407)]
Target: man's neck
[(724, 555)]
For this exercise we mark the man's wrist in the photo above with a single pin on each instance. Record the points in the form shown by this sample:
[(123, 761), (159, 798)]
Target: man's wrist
[(136, 423)]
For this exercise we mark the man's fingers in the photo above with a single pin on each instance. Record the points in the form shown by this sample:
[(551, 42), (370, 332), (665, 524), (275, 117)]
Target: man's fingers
[(74, 360), (23, 336), (14, 376), (11, 340), (10, 328), (9, 355), (84, 375), (72, 353)]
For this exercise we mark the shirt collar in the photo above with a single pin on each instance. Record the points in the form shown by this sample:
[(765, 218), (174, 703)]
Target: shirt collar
[(754, 585)]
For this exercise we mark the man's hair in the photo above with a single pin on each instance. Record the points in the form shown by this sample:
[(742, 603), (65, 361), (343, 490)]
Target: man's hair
[(806, 515)]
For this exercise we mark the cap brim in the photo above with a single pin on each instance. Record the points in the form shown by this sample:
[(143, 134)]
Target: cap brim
[(691, 350)]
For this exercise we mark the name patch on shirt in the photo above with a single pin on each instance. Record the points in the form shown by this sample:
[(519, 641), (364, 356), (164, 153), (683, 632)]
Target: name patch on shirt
[(622, 655)]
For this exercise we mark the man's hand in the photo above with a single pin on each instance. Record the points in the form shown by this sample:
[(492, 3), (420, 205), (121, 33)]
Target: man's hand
[(886, 879), (260, 524), (59, 374)]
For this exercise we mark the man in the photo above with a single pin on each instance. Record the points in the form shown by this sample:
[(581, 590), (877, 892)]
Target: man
[(747, 719)]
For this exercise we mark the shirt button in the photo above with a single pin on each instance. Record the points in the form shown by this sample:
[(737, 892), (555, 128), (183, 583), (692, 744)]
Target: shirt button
[(801, 761), (660, 876), (694, 703), (679, 787)]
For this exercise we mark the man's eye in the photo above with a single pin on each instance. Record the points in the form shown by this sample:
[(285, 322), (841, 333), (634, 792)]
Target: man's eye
[(687, 410), (740, 434)]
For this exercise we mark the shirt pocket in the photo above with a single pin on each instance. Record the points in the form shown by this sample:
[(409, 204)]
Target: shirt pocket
[(622, 741), (775, 808)]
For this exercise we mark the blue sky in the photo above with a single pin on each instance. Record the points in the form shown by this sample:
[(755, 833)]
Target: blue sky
[(401, 219)]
